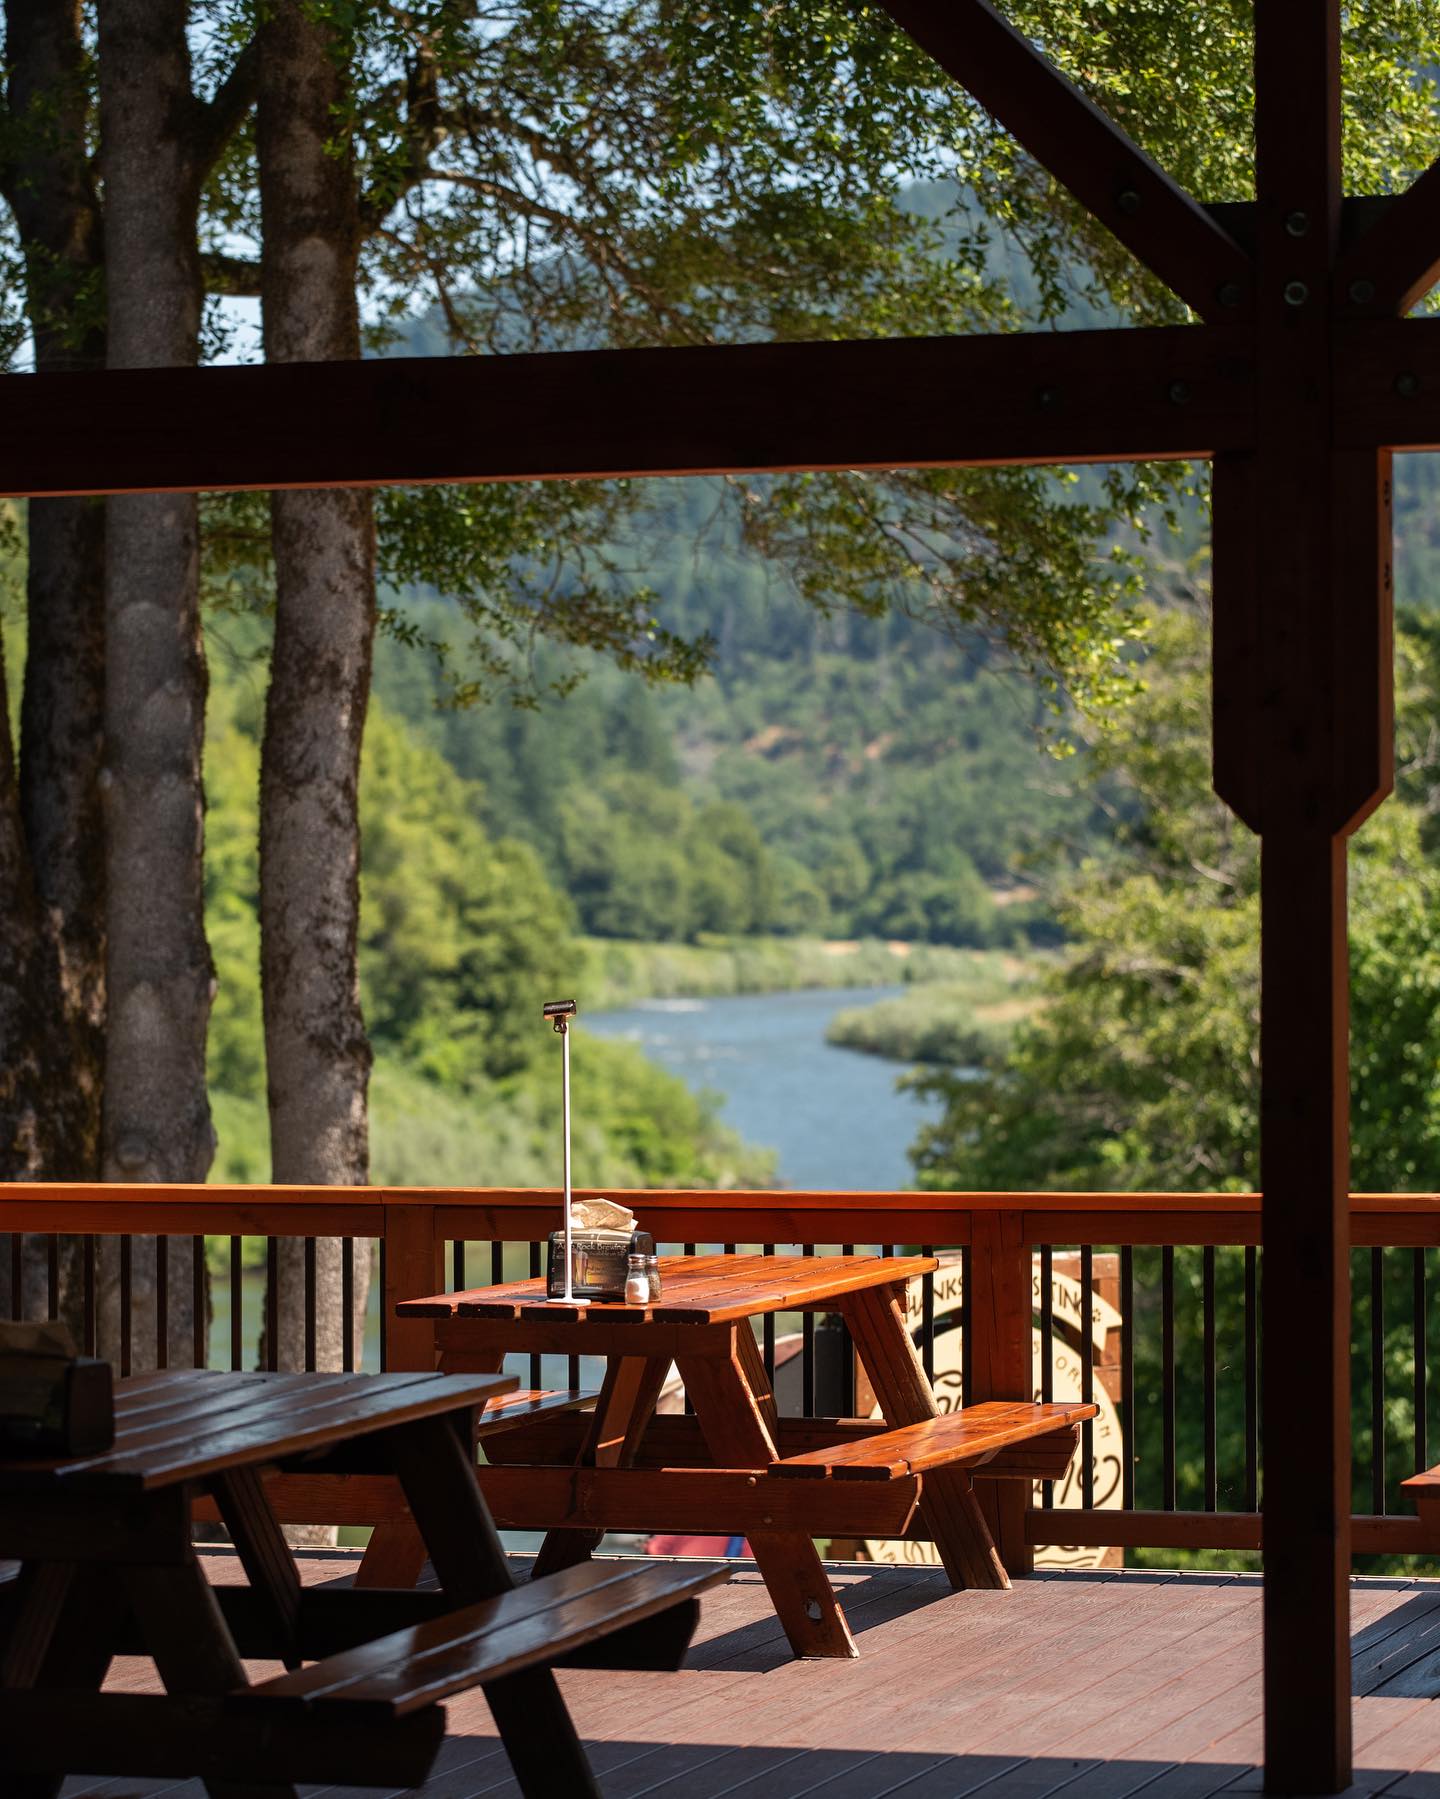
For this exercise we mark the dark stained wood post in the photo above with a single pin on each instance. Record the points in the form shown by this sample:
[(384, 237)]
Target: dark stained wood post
[(1302, 748)]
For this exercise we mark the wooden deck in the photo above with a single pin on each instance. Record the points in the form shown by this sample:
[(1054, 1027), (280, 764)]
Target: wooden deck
[(1086, 1686)]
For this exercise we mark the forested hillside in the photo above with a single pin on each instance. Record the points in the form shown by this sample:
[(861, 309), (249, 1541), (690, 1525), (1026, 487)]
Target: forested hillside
[(837, 775)]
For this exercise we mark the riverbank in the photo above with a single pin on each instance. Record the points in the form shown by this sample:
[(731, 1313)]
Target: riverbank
[(620, 972), (946, 1023)]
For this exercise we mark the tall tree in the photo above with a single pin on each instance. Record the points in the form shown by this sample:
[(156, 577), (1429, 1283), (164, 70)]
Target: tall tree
[(323, 545), (159, 142), (52, 796), (52, 885)]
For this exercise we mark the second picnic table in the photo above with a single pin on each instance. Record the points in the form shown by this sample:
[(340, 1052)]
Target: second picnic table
[(619, 1470)]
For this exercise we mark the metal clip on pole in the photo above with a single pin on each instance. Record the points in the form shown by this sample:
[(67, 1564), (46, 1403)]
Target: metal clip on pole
[(560, 1012)]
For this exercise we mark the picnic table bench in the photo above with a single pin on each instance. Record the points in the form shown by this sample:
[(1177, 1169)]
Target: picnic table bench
[(107, 1566), (736, 1466)]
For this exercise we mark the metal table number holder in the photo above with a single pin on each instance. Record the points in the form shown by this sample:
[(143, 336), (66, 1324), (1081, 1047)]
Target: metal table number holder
[(560, 1012)]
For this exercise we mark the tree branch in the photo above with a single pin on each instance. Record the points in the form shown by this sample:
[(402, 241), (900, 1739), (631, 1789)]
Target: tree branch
[(425, 125), (220, 117), (234, 276)]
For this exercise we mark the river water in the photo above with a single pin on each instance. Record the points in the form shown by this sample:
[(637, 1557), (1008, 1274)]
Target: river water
[(835, 1115)]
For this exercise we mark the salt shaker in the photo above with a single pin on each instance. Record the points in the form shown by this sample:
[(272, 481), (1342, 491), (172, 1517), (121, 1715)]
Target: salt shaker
[(637, 1281), (642, 1244)]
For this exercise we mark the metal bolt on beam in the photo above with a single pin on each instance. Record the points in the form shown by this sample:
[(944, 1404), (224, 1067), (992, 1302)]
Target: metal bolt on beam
[(1407, 385), (1179, 392), (1229, 293), (1296, 293), (1297, 223), (1362, 292), (1128, 200), (1047, 398)]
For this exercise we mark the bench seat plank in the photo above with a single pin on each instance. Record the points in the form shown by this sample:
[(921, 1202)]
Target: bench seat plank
[(527, 1627), (509, 1410), (969, 1436)]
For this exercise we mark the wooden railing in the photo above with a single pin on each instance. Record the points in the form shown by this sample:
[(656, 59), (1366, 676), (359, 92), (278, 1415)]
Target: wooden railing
[(1163, 1280)]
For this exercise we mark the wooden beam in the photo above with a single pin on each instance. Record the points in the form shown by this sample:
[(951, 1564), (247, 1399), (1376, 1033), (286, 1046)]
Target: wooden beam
[(1058, 397), (1110, 175), (1393, 265), (1387, 383)]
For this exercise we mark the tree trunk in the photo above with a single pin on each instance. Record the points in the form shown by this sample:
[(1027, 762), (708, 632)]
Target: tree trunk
[(52, 875), (156, 1116), (50, 188), (317, 1052)]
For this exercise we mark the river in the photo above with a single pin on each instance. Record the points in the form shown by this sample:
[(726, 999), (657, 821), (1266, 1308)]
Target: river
[(834, 1115)]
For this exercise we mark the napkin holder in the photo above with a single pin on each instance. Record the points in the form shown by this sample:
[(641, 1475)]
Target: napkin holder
[(598, 1261)]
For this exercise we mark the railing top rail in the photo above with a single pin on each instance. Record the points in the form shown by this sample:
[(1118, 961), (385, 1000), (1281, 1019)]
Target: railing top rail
[(158, 1194), (689, 1215)]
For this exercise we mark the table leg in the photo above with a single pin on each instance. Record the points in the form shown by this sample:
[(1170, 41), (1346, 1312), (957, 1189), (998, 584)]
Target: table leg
[(264, 1554), (733, 1418), (626, 1404), (752, 1363), (182, 1626), (395, 1554), (948, 1504), (437, 1471), (66, 1622)]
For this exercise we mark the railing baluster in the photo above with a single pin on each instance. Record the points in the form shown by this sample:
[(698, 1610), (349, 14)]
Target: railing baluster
[(967, 1325), (384, 1321), (52, 1275), (1087, 1374), (807, 1353), (927, 1319), (1208, 1309), (1127, 1375), (347, 1305), (162, 1302), (497, 1264), (1252, 1379), (1167, 1360), (312, 1323), (1377, 1381), (458, 1282), (272, 1303), (535, 1379), (88, 1300), (1047, 1347), (127, 1250), (17, 1274), (237, 1307), (767, 1331), (199, 1311), (1422, 1435), (847, 1357)]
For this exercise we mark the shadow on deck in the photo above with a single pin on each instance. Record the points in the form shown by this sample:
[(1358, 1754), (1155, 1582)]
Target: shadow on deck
[(1090, 1686)]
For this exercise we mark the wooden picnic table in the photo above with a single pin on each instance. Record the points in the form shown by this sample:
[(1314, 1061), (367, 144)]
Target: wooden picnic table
[(108, 1566), (850, 1477)]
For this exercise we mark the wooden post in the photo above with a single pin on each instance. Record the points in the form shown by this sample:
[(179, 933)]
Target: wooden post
[(1002, 1361), (414, 1267), (1302, 754)]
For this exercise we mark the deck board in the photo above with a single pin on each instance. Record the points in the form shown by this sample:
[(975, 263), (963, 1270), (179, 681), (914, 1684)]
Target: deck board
[(1072, 1686)]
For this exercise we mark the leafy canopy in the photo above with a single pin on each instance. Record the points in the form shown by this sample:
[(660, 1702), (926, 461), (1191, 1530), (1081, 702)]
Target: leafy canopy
[(558, 173), (1141, 1069)]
